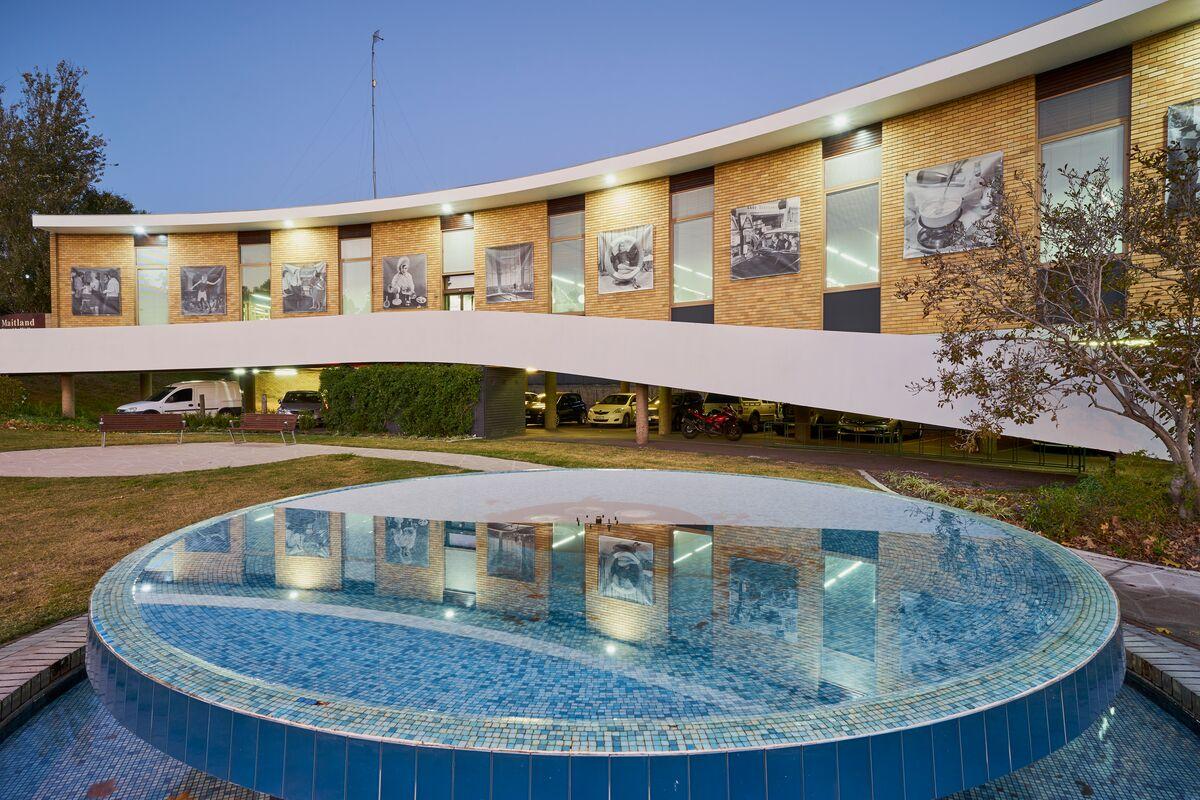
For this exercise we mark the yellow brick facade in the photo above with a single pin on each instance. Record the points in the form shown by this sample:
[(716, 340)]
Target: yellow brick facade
[(203, 250), (778, 301), (301, 246), (407, 237), (514, 225), (1165, 70), (1004, 118)]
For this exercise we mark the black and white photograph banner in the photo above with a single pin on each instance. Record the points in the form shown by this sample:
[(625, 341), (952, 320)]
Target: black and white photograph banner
[(764, 239), (1183, 130), (626, 570), (510, 551), (306, 533), (509, 273), (404, 283), (625, 259), (95, 292), (304, 288), (202, 291), (406, 541), (948, 208)]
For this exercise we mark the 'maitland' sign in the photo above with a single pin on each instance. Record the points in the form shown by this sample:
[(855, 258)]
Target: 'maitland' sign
[(10, 322)]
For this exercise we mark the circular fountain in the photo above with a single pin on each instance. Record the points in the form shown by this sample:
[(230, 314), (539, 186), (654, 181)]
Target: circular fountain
[(604, 633)]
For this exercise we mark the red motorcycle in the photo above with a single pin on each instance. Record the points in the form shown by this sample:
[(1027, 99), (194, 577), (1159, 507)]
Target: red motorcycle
[(720, 422)]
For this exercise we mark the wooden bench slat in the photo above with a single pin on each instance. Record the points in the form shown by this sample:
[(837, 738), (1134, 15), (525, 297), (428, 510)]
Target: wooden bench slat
[(265, 423), (141, 423)]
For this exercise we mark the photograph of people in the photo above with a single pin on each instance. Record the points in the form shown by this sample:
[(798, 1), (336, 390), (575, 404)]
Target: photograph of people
[(407, 541), (510, 551), (202, 291), (509, 271), (404, 281), (764, 596), (304, 288), (95, 292), (1183, 131), (947, 208), (626, 570), (764, 239), (625, 259)]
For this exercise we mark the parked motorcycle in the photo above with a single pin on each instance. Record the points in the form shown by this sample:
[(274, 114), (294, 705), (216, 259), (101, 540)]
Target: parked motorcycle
[(719, 422)]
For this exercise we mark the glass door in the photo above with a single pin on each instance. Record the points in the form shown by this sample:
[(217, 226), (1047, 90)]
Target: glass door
[(152, 302)]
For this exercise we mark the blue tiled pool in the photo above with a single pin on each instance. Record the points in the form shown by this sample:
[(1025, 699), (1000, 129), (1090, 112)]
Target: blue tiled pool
[(604, 633)]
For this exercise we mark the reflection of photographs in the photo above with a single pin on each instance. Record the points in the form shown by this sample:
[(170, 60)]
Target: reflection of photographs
[(404, 281), (509, 272), (948, 208), (763, 597), (202, 291), (460, 534), (764, 239), (406, 541), (510, 551), (627, 570), (212, 538), (1183, 130), (307, 533), (95, 292), (304, 288), (625, 259)]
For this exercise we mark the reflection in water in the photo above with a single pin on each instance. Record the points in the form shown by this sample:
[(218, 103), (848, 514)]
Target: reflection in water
[(716, 617)]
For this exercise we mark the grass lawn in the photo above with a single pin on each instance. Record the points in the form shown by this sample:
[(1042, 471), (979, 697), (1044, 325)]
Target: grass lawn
[(60, 535)]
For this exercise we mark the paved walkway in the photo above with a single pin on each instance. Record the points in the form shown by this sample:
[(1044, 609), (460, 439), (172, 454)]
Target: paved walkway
[(153, 459), (1154, 597), (30, 666)]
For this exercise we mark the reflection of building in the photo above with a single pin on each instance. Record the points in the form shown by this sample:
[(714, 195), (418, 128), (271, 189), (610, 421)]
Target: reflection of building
[(308, 549), (512, 569), (420, 581), (622, 619), (215, 553)]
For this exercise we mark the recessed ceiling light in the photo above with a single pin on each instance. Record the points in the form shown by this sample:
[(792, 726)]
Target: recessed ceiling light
[(139, 230), (447, 208), (287, 223), (610, 179), (840, 121)]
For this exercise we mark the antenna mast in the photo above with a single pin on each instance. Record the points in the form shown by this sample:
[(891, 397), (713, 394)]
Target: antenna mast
[(375, 37)]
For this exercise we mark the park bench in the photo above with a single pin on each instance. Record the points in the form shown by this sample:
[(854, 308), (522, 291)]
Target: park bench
[(264, 423), (141, 423)]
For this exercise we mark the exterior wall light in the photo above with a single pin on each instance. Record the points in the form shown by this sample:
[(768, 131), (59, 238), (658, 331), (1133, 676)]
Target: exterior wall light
[(531, 370), (139, 230), (287, 223), (447, 208), (239, 371), (610, 180), (840, 122)]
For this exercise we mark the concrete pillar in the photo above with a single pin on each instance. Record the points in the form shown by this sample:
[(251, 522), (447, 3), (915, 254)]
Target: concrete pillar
[(665, 409), (802, 416), (67, 384), (246, 383), (145, 385), (550, 418), (641, 397), (624, 386)]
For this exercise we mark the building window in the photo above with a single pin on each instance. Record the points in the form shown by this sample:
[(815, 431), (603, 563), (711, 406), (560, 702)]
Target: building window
[(150, 258), (852, 219), (566, 263), (256, 280), (458, 251), (691, 246), (459, 293), (1079, 130), (356, 275)]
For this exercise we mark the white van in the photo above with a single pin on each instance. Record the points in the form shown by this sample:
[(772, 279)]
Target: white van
[(185, 398)]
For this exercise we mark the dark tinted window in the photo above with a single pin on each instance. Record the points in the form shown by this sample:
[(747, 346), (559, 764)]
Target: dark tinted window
[(302, 397), (182, 396), (721, 398)]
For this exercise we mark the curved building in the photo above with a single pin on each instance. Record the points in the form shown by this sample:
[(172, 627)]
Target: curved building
[(760, 259)]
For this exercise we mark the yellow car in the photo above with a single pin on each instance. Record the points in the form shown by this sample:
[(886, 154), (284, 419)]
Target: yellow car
[(617, 410)]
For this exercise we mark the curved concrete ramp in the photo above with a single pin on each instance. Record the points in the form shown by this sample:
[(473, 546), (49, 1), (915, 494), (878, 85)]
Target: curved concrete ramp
[(854, 372)]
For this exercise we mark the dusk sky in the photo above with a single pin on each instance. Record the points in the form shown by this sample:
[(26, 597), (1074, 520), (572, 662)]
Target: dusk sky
[(235, 105)]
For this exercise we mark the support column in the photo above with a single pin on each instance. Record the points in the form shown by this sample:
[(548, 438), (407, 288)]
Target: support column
[(642, 424), (624, 387), (145, 385), (550, 417), (802, 417), (665, 410), (67, 385), (246, 383)]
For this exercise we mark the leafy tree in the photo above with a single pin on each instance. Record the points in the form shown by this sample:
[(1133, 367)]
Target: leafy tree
[(1092, 294), (50, 163)]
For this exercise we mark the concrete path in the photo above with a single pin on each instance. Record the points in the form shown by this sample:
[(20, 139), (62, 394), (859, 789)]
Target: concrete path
[(154, 459), (31, 667), (1154, 597)]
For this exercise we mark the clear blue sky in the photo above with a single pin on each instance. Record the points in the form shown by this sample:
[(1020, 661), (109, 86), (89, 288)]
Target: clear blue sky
[(232, 105)]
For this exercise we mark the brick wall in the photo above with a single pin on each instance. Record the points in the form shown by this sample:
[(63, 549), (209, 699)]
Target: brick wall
[(779, 301), (304, 245), (106, 251), (407, 237), (514, 225), (645, 203), (1004, 118), (1166, 71), (204, 250)]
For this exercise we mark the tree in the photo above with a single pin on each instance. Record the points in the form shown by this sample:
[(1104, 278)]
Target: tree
[(1093, 293), (50, 163)]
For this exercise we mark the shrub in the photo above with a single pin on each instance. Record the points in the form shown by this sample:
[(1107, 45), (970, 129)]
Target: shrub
[(305, 421), (12, 394), (413, 399), (924, 489), (1130, 495), (206, 422)]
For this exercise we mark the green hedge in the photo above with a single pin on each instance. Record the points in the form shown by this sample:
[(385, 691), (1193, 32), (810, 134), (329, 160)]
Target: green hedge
[(12, 394), (412, 399)]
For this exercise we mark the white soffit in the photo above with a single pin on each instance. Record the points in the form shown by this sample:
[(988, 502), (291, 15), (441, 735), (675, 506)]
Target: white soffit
[(1087, 31)]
